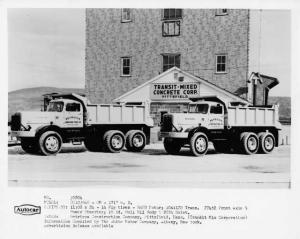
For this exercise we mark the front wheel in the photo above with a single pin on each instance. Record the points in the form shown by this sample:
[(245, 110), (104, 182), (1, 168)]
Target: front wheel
[(50, 143), (199, 144)]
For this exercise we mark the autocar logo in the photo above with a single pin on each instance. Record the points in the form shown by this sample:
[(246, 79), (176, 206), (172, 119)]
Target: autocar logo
[(27, 209)]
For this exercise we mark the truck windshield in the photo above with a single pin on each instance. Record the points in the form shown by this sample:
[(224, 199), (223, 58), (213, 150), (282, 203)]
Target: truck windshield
[(198, 108), (56, 106)]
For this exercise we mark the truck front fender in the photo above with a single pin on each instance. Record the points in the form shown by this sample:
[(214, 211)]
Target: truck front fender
[(198, 129), (40, 130)]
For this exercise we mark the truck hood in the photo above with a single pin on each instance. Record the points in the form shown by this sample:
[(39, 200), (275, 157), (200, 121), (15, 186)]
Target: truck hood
[(33, 117), (187, 120)]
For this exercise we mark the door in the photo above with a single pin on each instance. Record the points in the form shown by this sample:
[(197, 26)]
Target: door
[(216, 117), (73, 115)]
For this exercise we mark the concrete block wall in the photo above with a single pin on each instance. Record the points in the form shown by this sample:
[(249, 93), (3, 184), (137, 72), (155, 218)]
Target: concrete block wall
[(202, 36)]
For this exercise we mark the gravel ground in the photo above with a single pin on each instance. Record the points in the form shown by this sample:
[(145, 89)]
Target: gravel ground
[(152, 167)]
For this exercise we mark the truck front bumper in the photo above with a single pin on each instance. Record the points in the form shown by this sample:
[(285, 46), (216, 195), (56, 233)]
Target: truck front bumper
[(20, 134), (182, 135)]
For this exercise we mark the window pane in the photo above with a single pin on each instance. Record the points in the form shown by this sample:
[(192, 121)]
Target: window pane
[(165, 60), (165, 67), (172, 60), (126, 71), (72, 107), (177, 61), (166, 13), (216, 109), (177, 27), (126, 12), (165, 29), (223, 67), (218, 68), (178, 13), (223, 59), (171, 28), (172, 13)]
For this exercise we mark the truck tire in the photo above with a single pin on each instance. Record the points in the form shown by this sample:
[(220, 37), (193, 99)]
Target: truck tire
[(172, 146), (266, 142), (199, 144), (249, 143), (135, 140), (114, 141), (29, 145), (50, 143), (92, 144)]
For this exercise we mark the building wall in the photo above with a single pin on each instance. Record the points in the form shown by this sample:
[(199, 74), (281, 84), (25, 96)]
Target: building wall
[(203, 35)]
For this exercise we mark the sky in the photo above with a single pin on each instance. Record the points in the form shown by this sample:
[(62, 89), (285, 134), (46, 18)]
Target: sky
[(46, 47)]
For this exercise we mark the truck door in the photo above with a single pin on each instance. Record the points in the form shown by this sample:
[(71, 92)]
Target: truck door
[(73, 115), (216, 117)]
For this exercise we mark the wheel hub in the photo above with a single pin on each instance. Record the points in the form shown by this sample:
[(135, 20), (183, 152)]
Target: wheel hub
[(269, 143), (252, 143), (52, 143), (138, 141), (117, 141), (201, 144)]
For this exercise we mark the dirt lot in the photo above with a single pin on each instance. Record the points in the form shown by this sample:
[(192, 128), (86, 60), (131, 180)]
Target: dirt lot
[(75, 166)]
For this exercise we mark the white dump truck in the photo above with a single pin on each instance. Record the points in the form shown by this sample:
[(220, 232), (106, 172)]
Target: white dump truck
[(72, 118), (231, 127)]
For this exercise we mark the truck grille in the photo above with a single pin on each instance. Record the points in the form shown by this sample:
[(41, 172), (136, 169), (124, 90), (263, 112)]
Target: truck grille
[(167, 123), (15, 123)]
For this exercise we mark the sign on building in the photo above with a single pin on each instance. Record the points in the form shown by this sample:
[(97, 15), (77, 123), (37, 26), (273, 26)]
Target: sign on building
[(173, 91)]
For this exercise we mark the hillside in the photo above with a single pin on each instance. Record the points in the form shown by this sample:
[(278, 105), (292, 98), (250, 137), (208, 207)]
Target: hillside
[(31, 98), (284, 106)]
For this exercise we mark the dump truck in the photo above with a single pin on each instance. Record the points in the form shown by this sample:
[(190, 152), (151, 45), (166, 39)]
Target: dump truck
[(230, 126), (72, 118)]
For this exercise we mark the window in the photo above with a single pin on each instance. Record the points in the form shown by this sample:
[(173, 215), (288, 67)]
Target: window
[(73, 107), (170, 60), (172, 13), (125, 66), (55, 106), (198, 108), (221, 61), (171, 28), (221, 12), (126, 15), (216, 109)]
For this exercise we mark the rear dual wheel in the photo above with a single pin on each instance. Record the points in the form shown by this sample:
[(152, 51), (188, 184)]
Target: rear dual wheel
[(266, 142), (249, 143), (135, 140), (114, 141)]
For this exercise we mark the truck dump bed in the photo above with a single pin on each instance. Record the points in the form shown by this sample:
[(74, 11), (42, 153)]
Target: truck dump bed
[(253, 116), (119, 114)]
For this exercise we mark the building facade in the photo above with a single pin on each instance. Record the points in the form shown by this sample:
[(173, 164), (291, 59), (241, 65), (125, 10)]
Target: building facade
[(127, 47)]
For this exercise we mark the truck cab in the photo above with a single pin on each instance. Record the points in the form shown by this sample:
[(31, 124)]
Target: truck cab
[(208, 114), (68, 113)]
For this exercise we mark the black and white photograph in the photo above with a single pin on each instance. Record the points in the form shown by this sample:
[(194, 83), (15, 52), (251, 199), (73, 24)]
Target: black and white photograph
[(150, 98), (160, 119)]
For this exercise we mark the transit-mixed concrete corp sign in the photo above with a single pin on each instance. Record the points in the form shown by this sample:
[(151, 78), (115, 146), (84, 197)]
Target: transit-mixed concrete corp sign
[(169, 91)]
